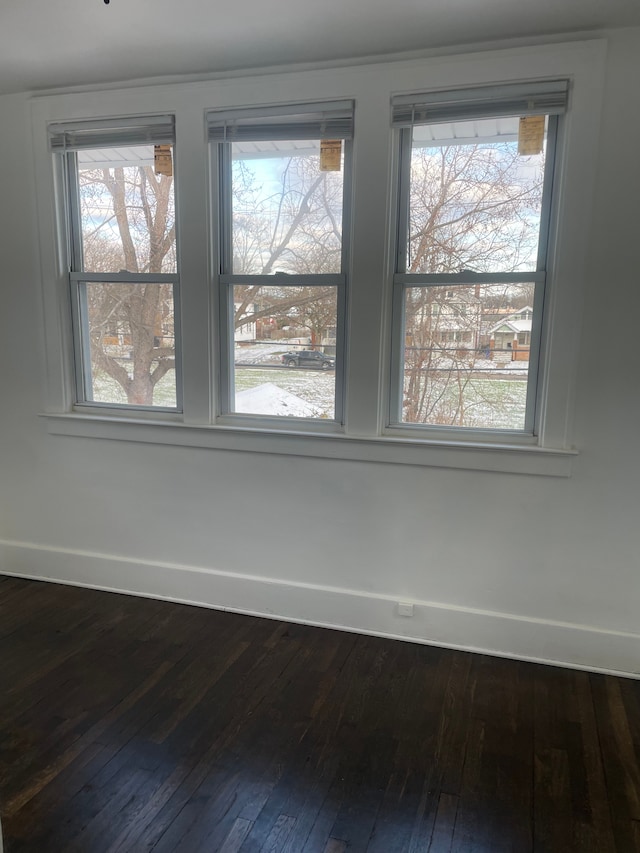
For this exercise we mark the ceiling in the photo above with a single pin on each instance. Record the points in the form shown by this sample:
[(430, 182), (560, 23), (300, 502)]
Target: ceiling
[(57, 43)]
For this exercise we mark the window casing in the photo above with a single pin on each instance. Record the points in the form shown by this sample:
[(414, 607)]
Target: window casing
[(472, 244), (371, 427)]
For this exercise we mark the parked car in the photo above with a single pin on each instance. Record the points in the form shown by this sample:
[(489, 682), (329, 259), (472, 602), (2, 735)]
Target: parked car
[(308, 358)]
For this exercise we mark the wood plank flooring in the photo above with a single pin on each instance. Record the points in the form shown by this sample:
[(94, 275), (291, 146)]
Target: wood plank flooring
[(128, 724)]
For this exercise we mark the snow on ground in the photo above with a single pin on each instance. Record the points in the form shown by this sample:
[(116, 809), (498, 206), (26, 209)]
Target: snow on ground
[(262, 353), (520, 367), (483, 365), (268, 399), (315, 387)]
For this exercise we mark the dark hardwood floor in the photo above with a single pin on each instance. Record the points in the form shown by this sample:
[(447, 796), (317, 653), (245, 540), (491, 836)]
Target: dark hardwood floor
[(128, 724)]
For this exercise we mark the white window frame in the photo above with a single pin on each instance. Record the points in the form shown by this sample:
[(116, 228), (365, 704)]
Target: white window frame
[(66, 140), (329, 120), (366, 434), (545, 97)]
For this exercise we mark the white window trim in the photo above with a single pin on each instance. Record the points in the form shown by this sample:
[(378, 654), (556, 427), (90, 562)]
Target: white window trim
[(220, 165), (364, 436), (538, 276), (306, 118)]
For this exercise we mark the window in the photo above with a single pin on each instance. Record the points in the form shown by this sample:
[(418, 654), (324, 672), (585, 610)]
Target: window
[(283, 177), (121, 259), (476, 169)]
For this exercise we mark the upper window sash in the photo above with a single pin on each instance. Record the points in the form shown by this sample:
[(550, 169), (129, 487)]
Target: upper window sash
[(100, 143), (235, 132), (464, 274)]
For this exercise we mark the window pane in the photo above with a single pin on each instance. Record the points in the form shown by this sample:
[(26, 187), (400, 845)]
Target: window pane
[(465, 363), (285, 347), (127, 213), (474, 202), (287, 213), (132, 343)]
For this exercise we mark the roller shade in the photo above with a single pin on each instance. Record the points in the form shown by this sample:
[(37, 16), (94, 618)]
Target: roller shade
[(513, 99), (111, 133), (332, 120)]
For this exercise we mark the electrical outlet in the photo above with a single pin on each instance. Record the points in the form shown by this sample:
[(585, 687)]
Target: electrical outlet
[(405, 609)]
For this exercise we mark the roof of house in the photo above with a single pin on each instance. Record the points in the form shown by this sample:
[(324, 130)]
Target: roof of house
[(514, 323)]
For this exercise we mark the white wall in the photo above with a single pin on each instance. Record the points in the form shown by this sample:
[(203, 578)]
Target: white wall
[(538, 567)]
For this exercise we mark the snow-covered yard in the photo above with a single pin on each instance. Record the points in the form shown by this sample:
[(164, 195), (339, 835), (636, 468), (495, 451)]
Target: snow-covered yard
[(263, 352), (492, 398), (315, 388)]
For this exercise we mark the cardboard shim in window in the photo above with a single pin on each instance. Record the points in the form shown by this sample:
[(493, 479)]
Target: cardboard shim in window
[(330, 155), (531, 135), (162, 162)]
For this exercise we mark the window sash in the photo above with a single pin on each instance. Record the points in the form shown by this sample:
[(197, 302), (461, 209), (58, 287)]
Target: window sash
[(82, 344), (73, 214), (402, 217), (221, 163), (227, 348), (398, 367)]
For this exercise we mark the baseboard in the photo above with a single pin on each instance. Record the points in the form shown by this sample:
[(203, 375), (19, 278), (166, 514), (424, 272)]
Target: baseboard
[(434, 623)]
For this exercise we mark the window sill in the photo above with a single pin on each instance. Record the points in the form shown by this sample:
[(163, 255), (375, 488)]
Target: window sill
[(505, 458)]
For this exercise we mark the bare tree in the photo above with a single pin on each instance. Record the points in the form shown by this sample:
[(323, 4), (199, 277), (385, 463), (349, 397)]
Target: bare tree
[(294, 227), (472, 208), (128, 224)]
